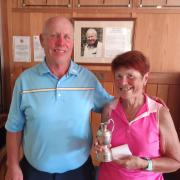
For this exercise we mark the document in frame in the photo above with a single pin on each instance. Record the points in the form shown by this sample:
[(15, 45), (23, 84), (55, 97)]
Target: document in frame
[(117, 41), (21, 48), (38, 50)]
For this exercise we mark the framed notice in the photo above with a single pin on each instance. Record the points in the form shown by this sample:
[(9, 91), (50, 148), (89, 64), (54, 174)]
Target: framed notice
[(100, 41), (38, 50), (21, 48)]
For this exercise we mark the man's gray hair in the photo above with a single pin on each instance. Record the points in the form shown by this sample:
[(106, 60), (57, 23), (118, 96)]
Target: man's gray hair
[(91, 30)]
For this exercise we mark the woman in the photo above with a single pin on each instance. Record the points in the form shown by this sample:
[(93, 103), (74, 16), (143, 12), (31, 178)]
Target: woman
[(142, 123)]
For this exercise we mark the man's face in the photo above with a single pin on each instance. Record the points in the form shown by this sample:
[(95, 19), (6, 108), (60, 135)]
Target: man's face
[(91, 38), (57, 41)]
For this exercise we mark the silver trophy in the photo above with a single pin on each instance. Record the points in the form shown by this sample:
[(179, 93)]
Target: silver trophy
[(104, 139)]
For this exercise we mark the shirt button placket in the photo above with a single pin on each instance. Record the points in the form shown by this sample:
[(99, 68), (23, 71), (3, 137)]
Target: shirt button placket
[(58, 93)]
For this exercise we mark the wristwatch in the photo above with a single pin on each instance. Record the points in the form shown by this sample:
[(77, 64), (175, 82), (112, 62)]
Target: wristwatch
[(150, 164)]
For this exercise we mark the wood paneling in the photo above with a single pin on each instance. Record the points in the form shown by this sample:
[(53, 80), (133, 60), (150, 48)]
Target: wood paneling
[(102, 3), (34, 2), (151, 89), (44, 3), (156, 36), (58, 2), (162, 92), (163, 3), (173, 2), (95, 121)]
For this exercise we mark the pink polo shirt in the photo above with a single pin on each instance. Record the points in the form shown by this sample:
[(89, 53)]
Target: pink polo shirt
[(142, 137)]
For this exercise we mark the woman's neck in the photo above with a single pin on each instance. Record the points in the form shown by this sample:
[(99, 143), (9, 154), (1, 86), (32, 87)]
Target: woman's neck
[(131, 106), (133, 102)]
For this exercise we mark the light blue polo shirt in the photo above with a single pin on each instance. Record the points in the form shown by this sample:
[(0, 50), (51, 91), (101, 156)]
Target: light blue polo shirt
[(54, 116)]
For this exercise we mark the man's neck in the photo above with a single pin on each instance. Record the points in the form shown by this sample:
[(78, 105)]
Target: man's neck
[(58, 70)]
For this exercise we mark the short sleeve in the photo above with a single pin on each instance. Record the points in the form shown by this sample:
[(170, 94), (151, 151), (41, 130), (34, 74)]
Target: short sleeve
[(16, 118)]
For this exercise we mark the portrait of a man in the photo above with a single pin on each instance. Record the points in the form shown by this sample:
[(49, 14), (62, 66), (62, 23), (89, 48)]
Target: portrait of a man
[(91, 42)]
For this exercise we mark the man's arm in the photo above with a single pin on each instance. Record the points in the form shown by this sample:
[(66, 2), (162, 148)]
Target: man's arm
[(13, 143), (106, 113)]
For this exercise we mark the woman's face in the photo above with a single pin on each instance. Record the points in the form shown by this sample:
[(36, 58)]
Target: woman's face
[(129, 82)]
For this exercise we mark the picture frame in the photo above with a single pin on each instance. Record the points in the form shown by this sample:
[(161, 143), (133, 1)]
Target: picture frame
[(113, 37)]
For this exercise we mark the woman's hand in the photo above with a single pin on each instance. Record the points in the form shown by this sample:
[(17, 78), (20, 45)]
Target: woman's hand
[(132, 162)]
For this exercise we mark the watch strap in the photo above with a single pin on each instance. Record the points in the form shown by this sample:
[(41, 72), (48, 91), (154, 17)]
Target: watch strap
[(150, 164)]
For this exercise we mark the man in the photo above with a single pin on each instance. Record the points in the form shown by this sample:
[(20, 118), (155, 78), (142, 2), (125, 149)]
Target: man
[(93, 48), (50, 111)]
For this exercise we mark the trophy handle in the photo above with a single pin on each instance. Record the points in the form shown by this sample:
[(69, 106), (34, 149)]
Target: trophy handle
[(111, 121)]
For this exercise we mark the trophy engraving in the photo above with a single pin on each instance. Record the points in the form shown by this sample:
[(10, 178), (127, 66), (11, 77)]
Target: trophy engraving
[(104, 139)]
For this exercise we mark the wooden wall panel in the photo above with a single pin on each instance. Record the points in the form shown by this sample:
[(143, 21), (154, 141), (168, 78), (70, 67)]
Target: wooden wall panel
[(156, 36), (109, 87), (162, 92), (35, 2), (37, 19), (174, 104), (151, 89), (95, 122), (21, 24)]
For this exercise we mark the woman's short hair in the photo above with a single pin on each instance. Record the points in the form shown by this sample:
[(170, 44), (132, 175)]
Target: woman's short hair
[(131, 59)]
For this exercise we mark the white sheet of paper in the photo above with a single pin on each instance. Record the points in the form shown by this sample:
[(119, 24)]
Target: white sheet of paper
[(22, 48), (120, 151), (117, 41), (38, 50)]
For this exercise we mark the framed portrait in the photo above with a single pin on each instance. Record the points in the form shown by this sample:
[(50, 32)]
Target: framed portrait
[(99, 41)]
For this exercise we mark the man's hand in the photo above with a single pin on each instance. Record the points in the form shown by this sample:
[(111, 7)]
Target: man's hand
[(99, 148), (14, 173)]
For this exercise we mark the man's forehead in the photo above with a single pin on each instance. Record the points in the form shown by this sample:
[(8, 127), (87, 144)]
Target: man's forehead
[(59, 25)]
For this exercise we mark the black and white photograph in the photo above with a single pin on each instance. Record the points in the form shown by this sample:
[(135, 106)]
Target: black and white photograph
[(91, 42)]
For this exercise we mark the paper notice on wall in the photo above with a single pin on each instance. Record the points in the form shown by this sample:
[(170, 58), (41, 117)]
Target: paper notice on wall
[(117, 41), (38, 50), (21, 49)]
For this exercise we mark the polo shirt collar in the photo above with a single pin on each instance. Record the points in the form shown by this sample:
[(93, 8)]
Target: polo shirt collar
[(43, 68), (73, 69)]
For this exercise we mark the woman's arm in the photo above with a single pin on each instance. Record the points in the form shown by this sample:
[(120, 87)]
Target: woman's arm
[(170, 145), (170, 149)]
